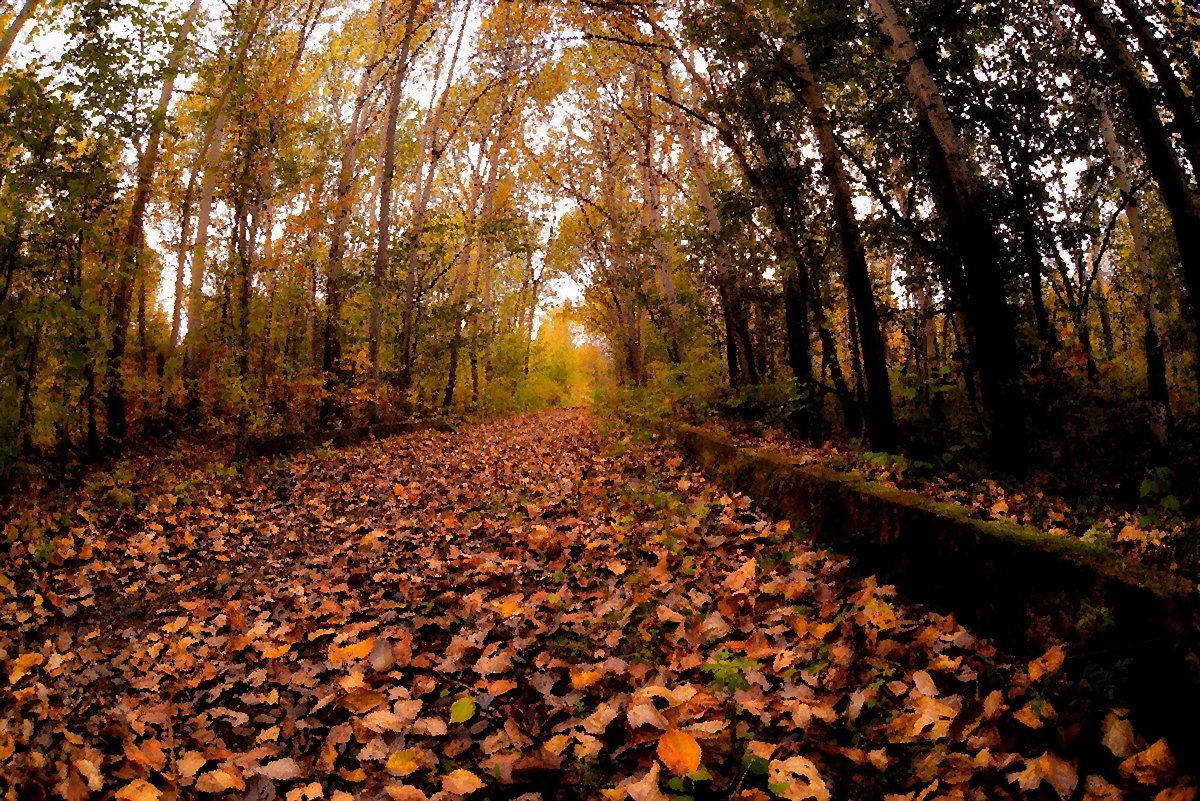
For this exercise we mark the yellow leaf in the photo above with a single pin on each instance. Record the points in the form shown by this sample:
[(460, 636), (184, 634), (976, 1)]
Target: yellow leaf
[(22, 665), (1047, 664), (278, 651), (461, 782), (679, 751), (557, 744), (402, 763), (340, 655), (462, 710), (509, 608), (139, 790)]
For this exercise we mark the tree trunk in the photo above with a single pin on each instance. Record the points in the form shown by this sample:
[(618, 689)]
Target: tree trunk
[(426, 175), (133, 234), (739, 351), (209, 155), (384, 238), (1183, 109), (1161, 157), (881, 423), (185, 226), (980, 285), (14, 28), (652, 222), (1157, 391)]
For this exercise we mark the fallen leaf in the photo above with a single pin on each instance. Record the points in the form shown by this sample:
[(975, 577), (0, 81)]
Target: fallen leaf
[(461, 782), (218, 781), (340, 655), (190, 763), (363, 700), (139, 790), (281, 770), (679, 751), (1154, 766), (462, 710), (796, 779), (1118, 736), (23, 665)]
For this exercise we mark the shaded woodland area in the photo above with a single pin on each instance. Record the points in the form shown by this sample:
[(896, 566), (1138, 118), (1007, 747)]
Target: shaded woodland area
[(951, 247)]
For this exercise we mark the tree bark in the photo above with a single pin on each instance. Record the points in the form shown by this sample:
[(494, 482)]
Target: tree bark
[(331, 358), (652, 222), (209, 155), (1183, 109), (14, 28)]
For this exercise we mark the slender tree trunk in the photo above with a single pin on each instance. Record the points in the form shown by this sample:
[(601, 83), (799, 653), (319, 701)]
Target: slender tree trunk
[(980, 287), (1157, 391), (210, 154), (652, 222), (739, 349), (1183, 109), (431, 156), (185, 225), (208, 191), (18, 22), (133, 235), (881, 424), (388, 160), (331, 358), (1161, 157)]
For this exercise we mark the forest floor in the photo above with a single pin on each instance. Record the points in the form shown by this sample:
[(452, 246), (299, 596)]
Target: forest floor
[(1154, 531), (539, 607)]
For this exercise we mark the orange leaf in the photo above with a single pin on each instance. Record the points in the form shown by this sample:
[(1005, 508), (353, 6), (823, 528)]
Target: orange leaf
[(679, 751), (139, 790), (461, 782), (340, 655), (582, 679)]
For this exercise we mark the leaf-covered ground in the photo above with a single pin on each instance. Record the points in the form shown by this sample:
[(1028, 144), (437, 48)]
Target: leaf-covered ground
[(526, 609)]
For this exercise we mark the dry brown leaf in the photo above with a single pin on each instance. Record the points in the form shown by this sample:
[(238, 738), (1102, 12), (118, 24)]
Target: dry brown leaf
[(218, 781), (797, 779), (1118, 736), (190, 763), (461, 782), (281, 770)]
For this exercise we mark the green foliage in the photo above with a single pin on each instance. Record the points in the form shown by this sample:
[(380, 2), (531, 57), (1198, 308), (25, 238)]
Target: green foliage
[(1161, 504), (728, 672)]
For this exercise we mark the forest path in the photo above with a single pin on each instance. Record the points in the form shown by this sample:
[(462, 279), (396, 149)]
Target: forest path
[(526, 606)]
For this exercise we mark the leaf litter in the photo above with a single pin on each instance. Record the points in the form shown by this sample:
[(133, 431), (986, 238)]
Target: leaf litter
[(528, 609)]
